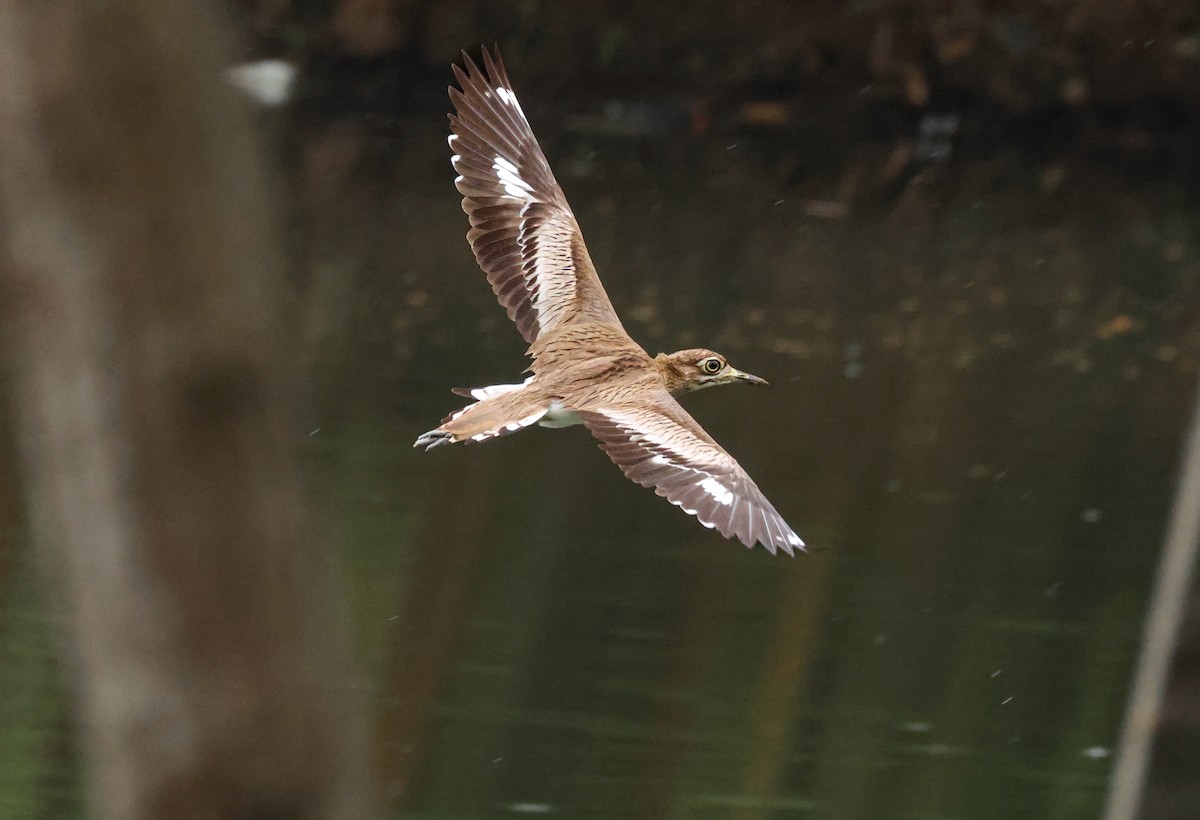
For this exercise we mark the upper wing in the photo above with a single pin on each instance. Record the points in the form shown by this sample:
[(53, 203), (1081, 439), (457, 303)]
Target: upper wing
[(522, 231), (659, 445)]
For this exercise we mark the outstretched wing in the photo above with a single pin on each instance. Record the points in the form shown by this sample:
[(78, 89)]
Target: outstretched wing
[(522, 231), (657, 444)]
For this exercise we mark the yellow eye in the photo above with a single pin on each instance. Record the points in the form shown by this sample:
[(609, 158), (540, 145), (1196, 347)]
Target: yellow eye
[(711, 365)]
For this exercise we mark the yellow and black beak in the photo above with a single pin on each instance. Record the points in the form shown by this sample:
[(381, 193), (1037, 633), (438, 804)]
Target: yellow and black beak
[(748, 378)]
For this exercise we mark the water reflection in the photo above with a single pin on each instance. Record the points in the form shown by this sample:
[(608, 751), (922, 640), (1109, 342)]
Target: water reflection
[(972, 427), (972, 421)]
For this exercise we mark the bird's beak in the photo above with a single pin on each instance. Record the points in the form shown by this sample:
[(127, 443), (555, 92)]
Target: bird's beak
[(748, 378)]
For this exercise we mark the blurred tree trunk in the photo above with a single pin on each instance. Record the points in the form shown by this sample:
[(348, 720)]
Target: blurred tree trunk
[(151, 388)]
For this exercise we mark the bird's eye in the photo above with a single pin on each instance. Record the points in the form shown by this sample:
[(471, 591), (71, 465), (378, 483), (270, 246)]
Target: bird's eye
[(711, 365)]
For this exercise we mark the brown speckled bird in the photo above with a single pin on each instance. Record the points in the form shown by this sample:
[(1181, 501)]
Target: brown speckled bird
[(586, 370)]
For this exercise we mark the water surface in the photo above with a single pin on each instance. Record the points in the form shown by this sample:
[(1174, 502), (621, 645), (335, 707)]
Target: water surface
[(973, 419)]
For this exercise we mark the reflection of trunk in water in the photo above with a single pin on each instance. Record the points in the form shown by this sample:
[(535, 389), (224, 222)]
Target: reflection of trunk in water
[(929, 431), (800, 616), (10, 504), (430, 624), (666, 759)]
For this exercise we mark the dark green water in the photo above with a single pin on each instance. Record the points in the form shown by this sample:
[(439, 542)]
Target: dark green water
[(974, 419)]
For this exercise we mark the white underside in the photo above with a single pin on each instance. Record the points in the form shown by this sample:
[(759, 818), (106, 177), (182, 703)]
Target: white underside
[(556, 416)]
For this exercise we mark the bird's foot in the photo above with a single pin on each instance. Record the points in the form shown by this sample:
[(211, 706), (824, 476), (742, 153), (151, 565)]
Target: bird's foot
[(434, 438)]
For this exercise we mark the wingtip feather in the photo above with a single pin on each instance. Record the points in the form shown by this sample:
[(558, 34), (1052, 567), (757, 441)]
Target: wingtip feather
[(489, 63)]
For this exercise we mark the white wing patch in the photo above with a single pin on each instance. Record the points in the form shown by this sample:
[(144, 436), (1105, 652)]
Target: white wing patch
[(721, 493), (510, 193), (506, 96), (667, 451), (514, 187)]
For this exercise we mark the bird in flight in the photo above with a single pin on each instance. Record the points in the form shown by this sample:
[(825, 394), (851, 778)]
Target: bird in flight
[(586, 369)]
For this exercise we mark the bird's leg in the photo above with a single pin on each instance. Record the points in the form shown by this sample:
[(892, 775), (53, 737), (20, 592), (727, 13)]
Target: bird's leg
[(434, 438)]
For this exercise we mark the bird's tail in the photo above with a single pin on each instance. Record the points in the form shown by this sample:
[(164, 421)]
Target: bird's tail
[(500, 410)]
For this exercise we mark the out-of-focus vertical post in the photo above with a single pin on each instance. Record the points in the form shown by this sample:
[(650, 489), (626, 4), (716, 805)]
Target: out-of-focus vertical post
[(152, 390), (1168, 600)]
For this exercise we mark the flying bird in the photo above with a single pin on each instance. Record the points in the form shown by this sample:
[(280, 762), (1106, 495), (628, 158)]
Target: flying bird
[(586, 369)]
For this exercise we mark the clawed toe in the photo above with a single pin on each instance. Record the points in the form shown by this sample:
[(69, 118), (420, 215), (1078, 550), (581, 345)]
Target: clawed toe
[(434, 438)]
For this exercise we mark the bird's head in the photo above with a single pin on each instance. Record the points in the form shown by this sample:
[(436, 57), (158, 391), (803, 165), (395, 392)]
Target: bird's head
[(697, 368)]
